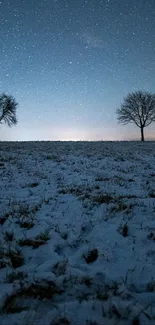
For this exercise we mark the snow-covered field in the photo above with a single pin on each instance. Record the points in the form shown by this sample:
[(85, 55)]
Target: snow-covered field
[(77, 233)]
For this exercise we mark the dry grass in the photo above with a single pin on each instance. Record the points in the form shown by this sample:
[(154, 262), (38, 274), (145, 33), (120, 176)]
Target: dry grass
[(36, 290)]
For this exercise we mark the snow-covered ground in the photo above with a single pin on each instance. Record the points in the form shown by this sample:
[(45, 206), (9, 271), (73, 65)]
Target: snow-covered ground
[(77, 233)]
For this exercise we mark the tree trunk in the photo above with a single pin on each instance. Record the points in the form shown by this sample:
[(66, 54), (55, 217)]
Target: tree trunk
[(142, 133)]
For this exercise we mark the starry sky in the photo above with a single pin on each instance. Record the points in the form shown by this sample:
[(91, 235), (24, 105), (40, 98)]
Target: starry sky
[(69, 64)]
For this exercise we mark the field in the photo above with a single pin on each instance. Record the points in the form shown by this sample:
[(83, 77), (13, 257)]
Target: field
[(77, 233)]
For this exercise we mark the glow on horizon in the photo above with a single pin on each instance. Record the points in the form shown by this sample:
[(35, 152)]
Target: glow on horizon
[(40, 132), (20, 133)]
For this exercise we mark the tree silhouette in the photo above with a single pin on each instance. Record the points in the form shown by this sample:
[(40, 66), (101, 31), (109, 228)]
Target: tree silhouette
[(138, 108), (8, 106)]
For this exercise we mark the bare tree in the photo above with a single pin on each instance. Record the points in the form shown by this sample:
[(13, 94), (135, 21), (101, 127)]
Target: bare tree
[(138, 108), (8, 106)]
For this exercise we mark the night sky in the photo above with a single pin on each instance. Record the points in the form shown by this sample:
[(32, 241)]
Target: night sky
[(69, 64)]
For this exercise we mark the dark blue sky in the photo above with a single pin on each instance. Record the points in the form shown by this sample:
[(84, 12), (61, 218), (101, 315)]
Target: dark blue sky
[(69, 64)]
